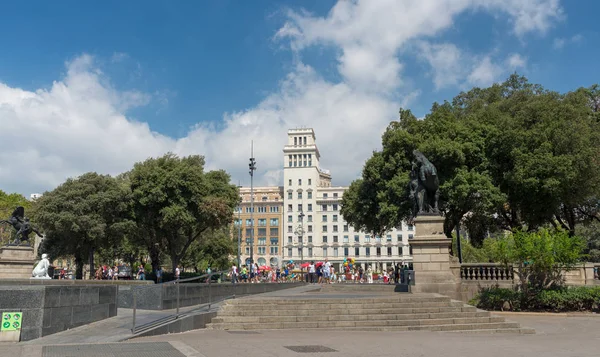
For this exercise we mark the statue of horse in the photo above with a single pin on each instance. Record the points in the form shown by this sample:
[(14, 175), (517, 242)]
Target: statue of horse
[(21, 224)]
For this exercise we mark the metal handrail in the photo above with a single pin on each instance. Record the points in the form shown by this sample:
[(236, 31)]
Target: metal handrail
[(177, 315)]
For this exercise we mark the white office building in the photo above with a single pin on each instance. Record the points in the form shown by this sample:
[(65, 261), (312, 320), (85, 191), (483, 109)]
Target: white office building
[(313, 228)]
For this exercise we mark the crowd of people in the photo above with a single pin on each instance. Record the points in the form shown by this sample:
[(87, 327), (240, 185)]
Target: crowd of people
[(315, 273)]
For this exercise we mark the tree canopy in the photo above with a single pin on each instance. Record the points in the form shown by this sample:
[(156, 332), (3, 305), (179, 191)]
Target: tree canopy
[(175, 203), (82, 215), (511, 156)]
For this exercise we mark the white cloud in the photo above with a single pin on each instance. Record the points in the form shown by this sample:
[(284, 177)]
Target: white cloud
[(118, 57), (79, 124), (561, 42), (516, 61)]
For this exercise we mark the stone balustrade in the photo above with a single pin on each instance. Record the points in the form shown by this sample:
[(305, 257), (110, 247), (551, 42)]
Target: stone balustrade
[(485, 271)]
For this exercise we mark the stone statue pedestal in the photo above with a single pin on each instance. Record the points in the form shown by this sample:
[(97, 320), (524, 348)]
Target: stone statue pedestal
[(16, 261), (431, 257)]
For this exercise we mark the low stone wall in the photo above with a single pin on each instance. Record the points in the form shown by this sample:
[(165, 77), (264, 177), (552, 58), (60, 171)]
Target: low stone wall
[(48, 309), (164, 296)]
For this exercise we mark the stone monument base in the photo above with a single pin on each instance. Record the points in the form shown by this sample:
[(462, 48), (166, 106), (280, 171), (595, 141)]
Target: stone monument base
[(431, 258), (16, 262)]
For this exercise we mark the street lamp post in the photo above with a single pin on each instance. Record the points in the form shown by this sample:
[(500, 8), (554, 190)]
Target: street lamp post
[(252, 168), (300, 233), (239, 250)]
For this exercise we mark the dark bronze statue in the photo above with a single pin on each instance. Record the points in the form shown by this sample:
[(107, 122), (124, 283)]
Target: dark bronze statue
[(22, 225), (424, 186)]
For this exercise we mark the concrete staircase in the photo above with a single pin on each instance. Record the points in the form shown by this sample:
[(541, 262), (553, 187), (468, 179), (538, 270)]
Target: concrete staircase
[(391, 312)]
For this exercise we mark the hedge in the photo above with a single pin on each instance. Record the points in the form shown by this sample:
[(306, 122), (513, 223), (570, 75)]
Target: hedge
[(557, 300)]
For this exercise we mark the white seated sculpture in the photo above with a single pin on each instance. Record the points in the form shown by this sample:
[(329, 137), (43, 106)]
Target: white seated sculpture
[(41, 269)]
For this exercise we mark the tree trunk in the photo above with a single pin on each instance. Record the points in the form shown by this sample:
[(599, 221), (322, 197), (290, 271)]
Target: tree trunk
[(91, 261), (79, 267), (155, 258), (174, 262)]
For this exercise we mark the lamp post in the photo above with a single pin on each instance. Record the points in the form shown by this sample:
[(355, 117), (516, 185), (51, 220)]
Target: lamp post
[(239, 250), (252, 168), (300, 233)]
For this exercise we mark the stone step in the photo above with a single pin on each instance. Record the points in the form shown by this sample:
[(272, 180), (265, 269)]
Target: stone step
[(336, 311), (317, 305), (408, 325), (376, 317), (520, 330), (325, 300)]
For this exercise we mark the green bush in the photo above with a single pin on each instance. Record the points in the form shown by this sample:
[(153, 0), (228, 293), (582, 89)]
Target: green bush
[(556, 300)]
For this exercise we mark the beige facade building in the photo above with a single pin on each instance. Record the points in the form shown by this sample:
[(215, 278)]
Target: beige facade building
[(267, 216), (301, 220)]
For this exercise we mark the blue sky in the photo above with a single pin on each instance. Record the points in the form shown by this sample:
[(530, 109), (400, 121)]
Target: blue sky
[(105, 84)]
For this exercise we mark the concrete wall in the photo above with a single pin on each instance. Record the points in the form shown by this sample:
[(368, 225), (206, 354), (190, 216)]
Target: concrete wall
[(164, 296), (48, 309)]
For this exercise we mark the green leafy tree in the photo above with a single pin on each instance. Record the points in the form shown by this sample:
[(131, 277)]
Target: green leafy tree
[(213, 251), (539, 258), (176, 203), (82, 215), (511, 156), (591, 233)]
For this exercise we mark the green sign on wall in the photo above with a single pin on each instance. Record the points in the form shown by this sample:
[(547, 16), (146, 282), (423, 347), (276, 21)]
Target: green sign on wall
[(11, 321)]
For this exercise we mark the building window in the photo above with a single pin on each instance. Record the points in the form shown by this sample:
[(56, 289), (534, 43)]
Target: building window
[(262, 222), (289, 208), (262, 250), (410, 250), (399, 236), (248, 240), (295, 141), (346, 251), (274, 250), (305, 142), (290, 229), (274, 222), (310, 218), (262, 241), (247, 250), (290, 162), (345, 228), (248, 232), (335, 228), (356, 238), (309, 181), (309, 207), (274, 209), (324, 239), (289, 252), (377, 239), (309, 228), (324, 229), (290, 240), (309, 159), (290, 181), (324, 218), (309, 194), (274, 241), (335, 239), (299, 182), (367, 238), (410, 236), (290, 218), (335, 195), (335, 218), (378, 251), (324, 208), (388, 238), (367, 251), (356, 251), (335, 207), (299, 195), (300, 208), (335, 252), (400, 251), (389, 251), (346, 239), (324, 252), (411, 227), (325, 195), (310, 239), (299, 251), (262, 209), (262, 232), (238, 222), (249, 222), (289, 196)]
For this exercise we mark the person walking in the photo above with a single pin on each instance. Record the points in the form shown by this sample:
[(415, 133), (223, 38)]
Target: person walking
[(234, 273)]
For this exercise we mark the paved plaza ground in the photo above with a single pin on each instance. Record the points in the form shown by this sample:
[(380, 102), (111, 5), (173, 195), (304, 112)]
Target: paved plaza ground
[(557, 335)]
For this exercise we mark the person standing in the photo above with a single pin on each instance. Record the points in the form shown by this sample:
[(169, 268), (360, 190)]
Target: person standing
[(234, 273), (159, 275), (311, 272), (327, 271), (177, 272)]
